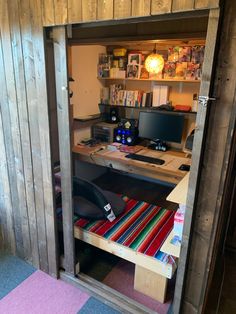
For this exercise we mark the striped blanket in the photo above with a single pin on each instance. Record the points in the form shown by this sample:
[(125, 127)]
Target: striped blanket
[(142, 227)]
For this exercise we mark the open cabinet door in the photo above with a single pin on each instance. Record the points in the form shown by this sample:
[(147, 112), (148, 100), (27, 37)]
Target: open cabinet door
[(62, 95), (204, 101)]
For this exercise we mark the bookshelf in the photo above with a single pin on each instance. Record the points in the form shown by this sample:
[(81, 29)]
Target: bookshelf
[(149, 80), (192, 113)]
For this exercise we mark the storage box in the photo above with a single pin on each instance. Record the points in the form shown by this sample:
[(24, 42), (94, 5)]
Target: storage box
[(179, 221)]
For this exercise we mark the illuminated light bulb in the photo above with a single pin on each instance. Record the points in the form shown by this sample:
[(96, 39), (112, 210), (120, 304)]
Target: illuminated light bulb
[(154, 63)]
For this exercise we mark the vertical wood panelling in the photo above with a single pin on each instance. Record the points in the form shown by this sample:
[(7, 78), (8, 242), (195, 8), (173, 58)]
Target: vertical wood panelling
[(105, 10), (24, 126), (182, 5), (32, 100), (141, 7), (60, 9), (122, 9), (61, 75), (74, 11), (44, 133), (89, 10), (203, 4), (160, 6), (48, 12), (12, 132), (7, 236)]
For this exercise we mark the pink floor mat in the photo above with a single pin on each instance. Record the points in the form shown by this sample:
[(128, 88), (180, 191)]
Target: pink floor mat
[(41, 293)]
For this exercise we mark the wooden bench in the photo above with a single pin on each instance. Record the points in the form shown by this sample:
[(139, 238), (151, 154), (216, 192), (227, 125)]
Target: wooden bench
[(152, 267)]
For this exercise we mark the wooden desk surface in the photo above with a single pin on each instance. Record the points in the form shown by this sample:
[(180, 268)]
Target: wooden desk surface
[(179, 193), (167, 172)]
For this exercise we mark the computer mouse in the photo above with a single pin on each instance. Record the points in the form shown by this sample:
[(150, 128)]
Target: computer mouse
[(184, 167)]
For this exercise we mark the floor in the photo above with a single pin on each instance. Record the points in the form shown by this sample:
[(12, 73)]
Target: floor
[(23, 289)]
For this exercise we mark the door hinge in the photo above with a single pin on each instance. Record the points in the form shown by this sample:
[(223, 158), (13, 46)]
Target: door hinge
[(203, 100)]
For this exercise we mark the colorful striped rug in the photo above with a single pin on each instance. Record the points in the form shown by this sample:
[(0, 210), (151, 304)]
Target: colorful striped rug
[(142, 227)]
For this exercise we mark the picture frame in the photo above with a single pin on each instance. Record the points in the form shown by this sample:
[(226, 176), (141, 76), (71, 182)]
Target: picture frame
[(135, 58), (133, 71)]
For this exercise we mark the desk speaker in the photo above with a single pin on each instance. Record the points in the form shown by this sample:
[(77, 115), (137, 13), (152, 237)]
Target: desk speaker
[(126, 136), (113, 115)]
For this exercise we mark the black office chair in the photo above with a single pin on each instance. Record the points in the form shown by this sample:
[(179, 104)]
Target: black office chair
[(91, 202)]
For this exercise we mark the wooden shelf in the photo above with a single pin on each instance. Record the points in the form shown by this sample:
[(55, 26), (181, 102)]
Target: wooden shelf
[(151, 109), (150, 80)]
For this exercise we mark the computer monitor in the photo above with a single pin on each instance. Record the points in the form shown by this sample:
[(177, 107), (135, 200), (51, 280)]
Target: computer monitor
[(159, 126)]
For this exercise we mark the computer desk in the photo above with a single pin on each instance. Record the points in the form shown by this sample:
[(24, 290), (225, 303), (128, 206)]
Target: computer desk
[(168, 172)]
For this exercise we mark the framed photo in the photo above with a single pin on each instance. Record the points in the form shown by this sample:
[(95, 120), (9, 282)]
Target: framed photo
[(133, 71), (135, 58)]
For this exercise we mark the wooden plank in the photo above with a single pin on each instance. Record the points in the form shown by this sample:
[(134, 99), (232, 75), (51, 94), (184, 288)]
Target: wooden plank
[(89, 10), (141, 7), (44, 137), (160, 6), (206, 4), (12, 131), (150, 283), (7, 236), (106, 294), (61, 14), (105, 10), (26, 16), (126, 253), (122, 9), (74, 11), (182, 5), (24, 127), (180, 192), (48, 12), (60, 57), (196, 153)]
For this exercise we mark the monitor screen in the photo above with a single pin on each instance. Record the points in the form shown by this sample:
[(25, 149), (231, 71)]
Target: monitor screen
[(161, 126)]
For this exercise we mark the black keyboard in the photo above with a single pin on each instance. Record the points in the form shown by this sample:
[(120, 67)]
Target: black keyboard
[(148, 159)]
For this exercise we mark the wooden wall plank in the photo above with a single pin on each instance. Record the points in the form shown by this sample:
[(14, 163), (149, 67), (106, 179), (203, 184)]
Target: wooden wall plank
[(122, 9), (74, 11), (105, 9), (24, 127), (26, 16), (61, 14), (141, 7), (12, 131), (48, 12), (44, 136), (206, 4), (60, 57), (160, 6), (182, 5), (89, 10), (7, 237)]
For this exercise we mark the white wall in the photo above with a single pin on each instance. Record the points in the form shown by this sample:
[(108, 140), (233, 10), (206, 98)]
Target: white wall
[(86, 88)]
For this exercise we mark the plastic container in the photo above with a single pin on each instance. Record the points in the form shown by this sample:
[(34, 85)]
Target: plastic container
[(119, 52)]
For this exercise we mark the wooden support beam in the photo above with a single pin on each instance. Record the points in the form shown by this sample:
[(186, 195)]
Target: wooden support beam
[(150, 283), (60, 57), (205, 90)]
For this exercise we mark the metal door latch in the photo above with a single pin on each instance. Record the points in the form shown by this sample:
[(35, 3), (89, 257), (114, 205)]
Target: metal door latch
[(203, 100)]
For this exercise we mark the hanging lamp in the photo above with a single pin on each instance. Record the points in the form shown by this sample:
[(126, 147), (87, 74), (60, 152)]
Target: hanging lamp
[(154, 63)]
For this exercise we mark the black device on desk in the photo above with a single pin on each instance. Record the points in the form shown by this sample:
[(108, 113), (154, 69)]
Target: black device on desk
[(127, 132), (151, 160), (160, 128)]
